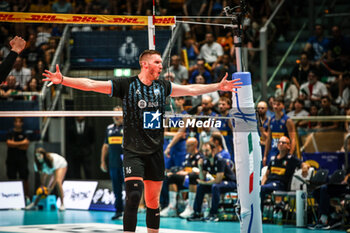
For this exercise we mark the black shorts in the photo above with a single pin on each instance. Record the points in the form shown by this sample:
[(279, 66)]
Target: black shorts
[(149, 167), (17, 164)]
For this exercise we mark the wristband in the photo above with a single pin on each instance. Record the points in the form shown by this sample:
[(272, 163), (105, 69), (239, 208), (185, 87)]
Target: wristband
[(61, 80)]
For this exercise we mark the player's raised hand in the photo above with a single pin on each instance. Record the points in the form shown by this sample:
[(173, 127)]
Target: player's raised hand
[(55, 78), (229, 85)]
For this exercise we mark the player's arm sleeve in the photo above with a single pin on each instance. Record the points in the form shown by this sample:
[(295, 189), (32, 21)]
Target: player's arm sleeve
[(6, 65), (118, 87), (168, 88), (221, 165)]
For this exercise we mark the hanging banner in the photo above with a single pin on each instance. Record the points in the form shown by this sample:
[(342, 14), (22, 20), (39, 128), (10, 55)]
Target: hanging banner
[(19, 17)]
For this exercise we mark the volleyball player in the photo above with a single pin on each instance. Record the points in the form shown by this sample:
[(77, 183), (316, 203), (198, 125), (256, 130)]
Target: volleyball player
[(143, 99)]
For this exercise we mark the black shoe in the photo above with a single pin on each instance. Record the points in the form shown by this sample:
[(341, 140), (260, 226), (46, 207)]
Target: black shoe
[(194, 217), (118, 215), (211, 218)]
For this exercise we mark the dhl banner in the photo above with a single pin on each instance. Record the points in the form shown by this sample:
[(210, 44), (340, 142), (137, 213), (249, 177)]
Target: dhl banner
[(19, 17)]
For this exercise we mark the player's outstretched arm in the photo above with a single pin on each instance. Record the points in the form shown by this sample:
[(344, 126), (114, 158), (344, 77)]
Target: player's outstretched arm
[(83, 84), (200, 89)]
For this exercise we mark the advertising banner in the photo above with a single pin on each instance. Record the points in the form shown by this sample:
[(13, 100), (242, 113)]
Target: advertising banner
[(20, 17), (78, 194), (11, 195)]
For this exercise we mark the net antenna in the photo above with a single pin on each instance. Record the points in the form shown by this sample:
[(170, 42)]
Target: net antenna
[(237, 18)]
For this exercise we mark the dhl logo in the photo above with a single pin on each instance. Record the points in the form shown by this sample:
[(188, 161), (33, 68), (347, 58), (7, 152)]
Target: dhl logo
[(165, 20), (115, 140), (7, 17), (277, 135), (92, 19), (43, 18), (128, 20), (278, 170)]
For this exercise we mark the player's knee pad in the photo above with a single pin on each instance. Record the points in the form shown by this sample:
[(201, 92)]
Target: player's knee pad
[(152, 218), (133, 190)]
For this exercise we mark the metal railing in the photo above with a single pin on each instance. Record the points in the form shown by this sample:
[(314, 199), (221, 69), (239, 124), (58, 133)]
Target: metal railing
[(45, 95), (263, 54)]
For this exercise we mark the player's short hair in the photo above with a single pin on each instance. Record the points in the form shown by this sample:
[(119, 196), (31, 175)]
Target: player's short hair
[(148, 52)]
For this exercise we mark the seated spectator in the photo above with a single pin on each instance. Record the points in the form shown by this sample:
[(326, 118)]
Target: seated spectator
[(346, 91), (226, 66), (288, 91), (5, 48), (40, 6), (200, 69), (62, 7), (211, 51), (182, 179), (50, 51), (327, 109), (180, 71), (226, 128), (33, 86), (43, 35), (313, 89), (204, 134), (299, 111), (32, 54), (197, 100), (300, 71), (191, 47), (218, 142), (206, 108), (216, 177), (317, 45), (338, 56), (313, 112), (328, 218), (226, 41), (305, 173), (10, 89), (21, 73), (280, 170)]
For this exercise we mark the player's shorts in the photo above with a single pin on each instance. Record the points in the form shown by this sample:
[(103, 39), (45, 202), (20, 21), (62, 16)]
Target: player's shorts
[(149, 167)]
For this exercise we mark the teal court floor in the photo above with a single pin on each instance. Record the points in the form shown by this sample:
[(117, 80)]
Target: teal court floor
[(40, 221)]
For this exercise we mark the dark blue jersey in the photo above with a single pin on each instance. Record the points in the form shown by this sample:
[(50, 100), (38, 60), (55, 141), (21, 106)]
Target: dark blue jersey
[(220, 165), (278, 130), (114, 139), (283, 169), (191, 161), (143, 110)]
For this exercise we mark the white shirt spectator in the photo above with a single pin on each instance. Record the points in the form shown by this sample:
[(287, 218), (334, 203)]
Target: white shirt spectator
[(211, 53), (318, 90), (181, 73), (197, 100), (345, 97), (299, 114), (22, 76)]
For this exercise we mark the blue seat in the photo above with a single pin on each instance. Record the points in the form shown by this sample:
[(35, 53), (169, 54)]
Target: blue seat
[(48, 203)]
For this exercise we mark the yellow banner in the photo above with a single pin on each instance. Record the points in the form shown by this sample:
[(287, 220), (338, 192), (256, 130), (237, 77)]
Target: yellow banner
[(19, 17)]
